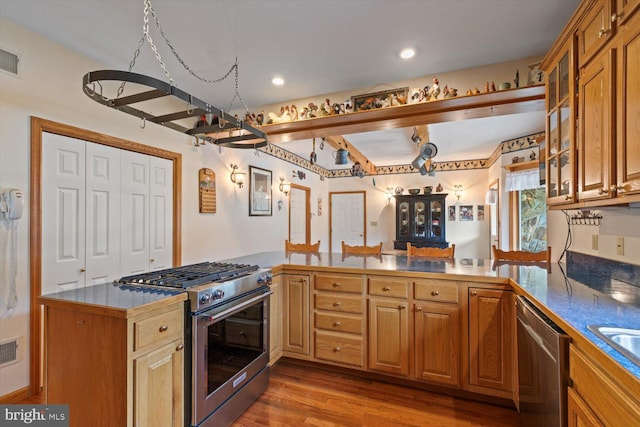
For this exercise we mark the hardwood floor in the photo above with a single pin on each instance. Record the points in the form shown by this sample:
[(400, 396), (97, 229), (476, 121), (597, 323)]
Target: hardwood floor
[(305, 395)]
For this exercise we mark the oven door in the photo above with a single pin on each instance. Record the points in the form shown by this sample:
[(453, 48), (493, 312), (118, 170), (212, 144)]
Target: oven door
[(230, 347)]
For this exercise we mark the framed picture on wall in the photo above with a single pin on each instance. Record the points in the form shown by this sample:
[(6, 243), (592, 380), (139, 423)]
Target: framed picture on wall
[(259, 192), (452, 213), (480, 212), (466, 213)]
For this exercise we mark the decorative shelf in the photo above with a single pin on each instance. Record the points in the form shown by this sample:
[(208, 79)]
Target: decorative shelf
[(490, 104)]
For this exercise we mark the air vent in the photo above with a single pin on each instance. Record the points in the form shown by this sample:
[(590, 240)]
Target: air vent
[(9, 62), (9, 352)]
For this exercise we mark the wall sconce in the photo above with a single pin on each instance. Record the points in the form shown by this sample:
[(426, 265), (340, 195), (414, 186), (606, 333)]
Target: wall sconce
[(285, 187), (457, 191), (237, 177), (389, 194)]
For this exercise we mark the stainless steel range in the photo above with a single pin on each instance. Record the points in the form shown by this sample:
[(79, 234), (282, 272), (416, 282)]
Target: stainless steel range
[(227, 324)]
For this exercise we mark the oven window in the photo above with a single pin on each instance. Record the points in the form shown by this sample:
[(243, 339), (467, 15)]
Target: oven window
[(233, 343)]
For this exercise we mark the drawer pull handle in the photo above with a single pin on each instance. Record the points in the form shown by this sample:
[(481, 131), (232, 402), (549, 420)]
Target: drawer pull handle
[(336, 284), (164, 328), (337, 324), (336, 304), (180, 347), (474, 293), (386, 288), (402, 307), (435, 293), (602, 191), (419, 308), (337, 349)]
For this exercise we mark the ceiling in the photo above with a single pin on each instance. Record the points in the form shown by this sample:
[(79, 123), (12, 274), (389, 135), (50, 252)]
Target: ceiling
[(318, 47)]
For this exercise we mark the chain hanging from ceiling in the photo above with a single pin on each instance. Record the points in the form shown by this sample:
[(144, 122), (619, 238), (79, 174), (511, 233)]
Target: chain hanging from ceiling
[(214, 125)]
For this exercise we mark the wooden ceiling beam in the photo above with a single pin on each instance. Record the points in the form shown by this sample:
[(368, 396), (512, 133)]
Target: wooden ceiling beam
[(355, 155), (513, 101)]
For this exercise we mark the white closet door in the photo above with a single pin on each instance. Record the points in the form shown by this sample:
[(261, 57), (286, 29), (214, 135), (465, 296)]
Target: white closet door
[(134, 213), (63, 214), (298, 216), (347, 220), (161, 213), (103, 214)]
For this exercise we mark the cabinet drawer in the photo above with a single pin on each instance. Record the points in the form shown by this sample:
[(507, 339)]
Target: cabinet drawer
[(607, 399), (339, 322), (436, 290), (340, 303), (341, 348), (157, 329), (339, 283), (388, 287)]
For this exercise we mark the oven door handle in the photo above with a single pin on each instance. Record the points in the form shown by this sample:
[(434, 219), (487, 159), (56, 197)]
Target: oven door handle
[(211, 318)]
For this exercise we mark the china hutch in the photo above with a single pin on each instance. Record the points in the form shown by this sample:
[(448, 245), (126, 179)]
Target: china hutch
[(420, 220)]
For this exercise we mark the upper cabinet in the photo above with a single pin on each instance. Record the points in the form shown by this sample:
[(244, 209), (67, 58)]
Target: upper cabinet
[(420, 221), (593, 124)]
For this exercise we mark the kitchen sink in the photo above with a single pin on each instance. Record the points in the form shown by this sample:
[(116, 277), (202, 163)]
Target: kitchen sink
[(626, 341)]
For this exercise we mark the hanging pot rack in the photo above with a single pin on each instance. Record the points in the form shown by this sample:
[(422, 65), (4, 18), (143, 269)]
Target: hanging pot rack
[(227, 132)]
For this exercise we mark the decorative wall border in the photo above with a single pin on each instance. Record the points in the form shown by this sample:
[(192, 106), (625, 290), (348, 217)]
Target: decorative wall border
[(509, 146)]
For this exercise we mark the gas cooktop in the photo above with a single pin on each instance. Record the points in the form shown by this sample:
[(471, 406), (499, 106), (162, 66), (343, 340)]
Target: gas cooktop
[(189, 275)]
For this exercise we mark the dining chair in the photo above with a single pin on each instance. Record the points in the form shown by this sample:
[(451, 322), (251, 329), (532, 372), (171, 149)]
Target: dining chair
[(301, 247), (521, 256), (431, 252), (361, 249)]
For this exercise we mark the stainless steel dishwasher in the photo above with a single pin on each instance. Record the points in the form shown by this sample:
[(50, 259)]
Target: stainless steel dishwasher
[(543, 367)]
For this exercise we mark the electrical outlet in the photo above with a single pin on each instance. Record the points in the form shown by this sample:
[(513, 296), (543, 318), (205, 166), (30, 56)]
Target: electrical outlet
[(594, 242), (620, 246)]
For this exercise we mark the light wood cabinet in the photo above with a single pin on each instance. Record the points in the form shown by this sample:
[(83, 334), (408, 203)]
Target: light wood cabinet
[(339, 319), (491, 335), (627, 105), (135, 363), (607, 401), (624, 10), (275, 320), (578, 413), (296, 342), (595, 30)]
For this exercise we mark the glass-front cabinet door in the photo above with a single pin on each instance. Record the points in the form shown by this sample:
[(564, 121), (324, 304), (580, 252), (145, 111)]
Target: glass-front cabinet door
[(420, 222), (436, 219), (561, 128)]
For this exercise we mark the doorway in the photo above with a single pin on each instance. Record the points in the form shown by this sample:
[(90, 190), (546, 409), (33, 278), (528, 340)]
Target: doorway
[(300, 214), (347, 213)]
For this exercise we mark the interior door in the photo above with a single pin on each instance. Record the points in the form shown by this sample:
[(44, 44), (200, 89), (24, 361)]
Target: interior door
[(299, 214), (493, 200), (347, 219)]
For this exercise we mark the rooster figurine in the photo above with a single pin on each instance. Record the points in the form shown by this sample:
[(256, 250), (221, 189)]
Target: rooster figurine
[(435, 89)]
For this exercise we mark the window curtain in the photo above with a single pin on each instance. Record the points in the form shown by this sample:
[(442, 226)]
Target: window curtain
[(523, 180)]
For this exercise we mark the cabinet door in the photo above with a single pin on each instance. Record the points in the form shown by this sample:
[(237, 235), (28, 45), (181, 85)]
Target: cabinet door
[(628, 109), (578, 412), (624, 10), (158, 387), (437, 343), (389, 336), (275, 320), (491, 334), (596, 129), (296, 314), (595, 30), (135, 206)]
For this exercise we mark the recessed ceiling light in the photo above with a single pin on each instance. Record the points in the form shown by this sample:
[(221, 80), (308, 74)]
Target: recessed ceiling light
[(407, 53), (278, 81)]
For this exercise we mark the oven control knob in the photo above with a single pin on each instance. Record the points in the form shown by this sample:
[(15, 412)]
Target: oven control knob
[(218, 294), (205, 298), (265, 278)]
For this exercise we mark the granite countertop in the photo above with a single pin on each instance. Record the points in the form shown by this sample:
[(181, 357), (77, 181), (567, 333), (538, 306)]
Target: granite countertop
[(578, 299)]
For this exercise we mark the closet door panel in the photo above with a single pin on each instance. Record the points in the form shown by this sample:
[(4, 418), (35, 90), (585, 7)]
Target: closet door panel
[(161, 213), (63, 216), (134, 213)]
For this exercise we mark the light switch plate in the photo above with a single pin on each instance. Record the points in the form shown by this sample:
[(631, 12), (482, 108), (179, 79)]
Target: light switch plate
[(620, 246)]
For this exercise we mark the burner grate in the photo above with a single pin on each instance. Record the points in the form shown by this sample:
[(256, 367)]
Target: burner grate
[(189, 275)]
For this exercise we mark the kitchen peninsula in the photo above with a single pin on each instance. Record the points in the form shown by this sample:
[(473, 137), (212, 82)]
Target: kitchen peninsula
[(392, 316)]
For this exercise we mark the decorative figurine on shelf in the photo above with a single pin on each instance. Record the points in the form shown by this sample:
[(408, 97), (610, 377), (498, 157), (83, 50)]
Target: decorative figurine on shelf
[(449, 93), (348, 106), (416, 95), (493, 86), (260, 118), (439, 188), (476, 91), (294, 112), (284, 116), (532, 156), (517, 79), (336, 108), (469, 92), (435, 89), (486, 87)]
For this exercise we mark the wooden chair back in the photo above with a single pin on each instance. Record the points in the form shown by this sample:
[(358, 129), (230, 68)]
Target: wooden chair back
[(431, 252), (301, 247), (521, 256), (362, 250)]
